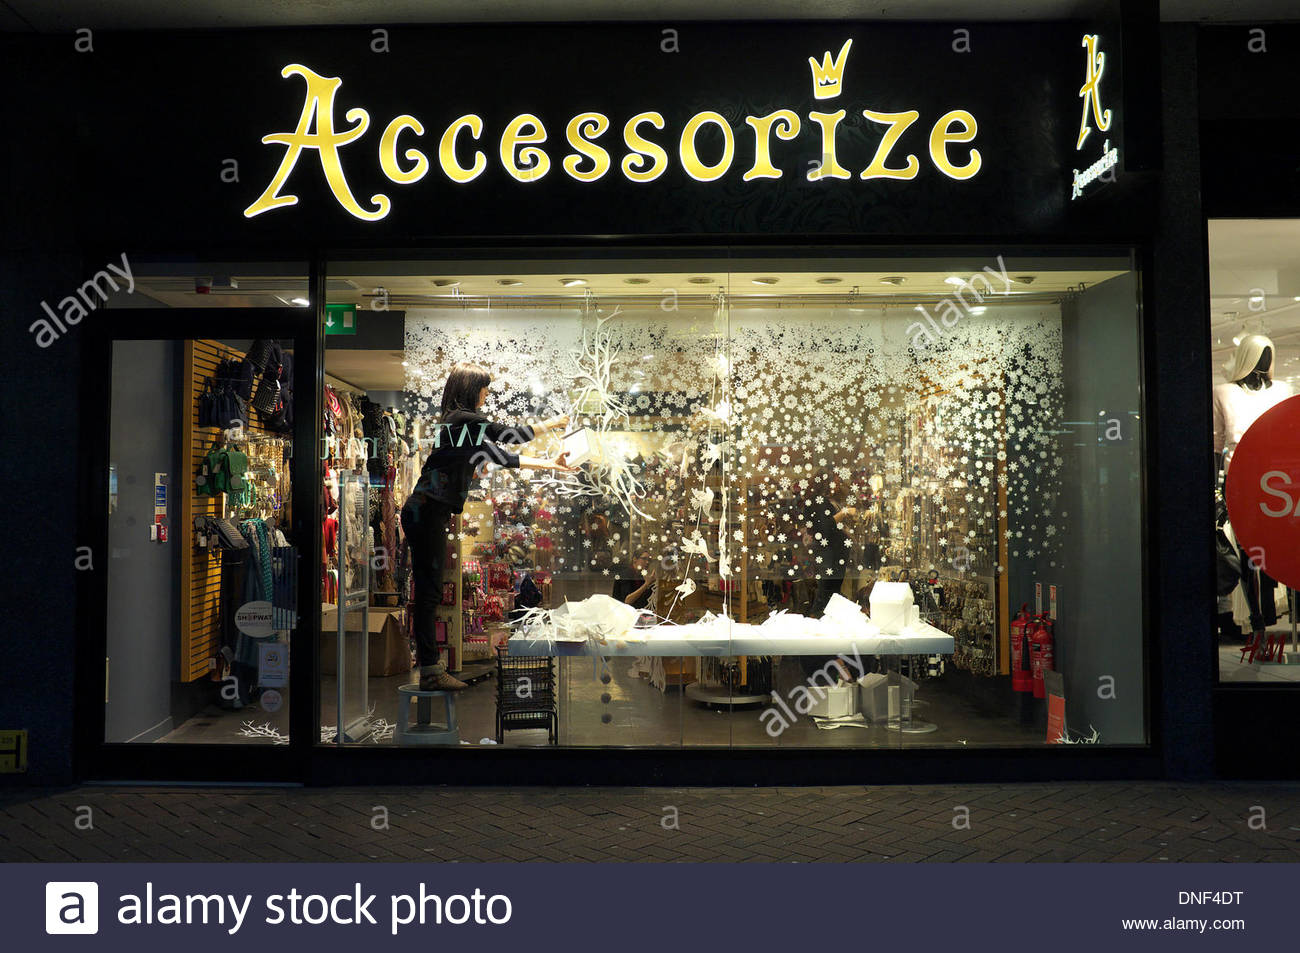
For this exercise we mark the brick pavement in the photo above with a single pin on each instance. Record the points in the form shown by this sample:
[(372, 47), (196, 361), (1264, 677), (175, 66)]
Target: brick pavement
[(1105, 821)]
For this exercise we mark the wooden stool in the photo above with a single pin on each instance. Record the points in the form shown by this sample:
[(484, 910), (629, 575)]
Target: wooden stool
[(425, 731)]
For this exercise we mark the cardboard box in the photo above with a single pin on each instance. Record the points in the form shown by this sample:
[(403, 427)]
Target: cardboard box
[(874, 695), (838, 701), (389, 649)]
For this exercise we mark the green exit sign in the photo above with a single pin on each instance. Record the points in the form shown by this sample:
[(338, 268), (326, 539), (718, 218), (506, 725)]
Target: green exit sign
[(340, 319)]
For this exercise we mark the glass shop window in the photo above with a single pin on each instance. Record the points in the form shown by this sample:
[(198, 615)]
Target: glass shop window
[(813, 503), (1255, 340)]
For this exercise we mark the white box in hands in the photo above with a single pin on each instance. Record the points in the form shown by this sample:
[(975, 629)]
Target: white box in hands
[(891, 607), (579, 447)]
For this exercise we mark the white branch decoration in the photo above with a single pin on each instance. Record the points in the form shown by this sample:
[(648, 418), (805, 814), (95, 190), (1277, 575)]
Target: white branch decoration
[(609, 475), (1089, 739), (264, 730)]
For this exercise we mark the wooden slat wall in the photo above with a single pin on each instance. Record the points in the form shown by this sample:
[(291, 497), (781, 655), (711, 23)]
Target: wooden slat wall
[(201, 587)]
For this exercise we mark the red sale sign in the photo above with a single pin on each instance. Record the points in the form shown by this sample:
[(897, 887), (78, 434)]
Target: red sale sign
[(1263, 492)]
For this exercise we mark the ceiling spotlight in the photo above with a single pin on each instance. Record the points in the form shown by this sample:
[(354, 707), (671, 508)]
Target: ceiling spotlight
[(572, 282), (829, 281), (1026, 279), (700, 281), (446, 282), (406, 363), (766, 281), (1236, 339), (509, 282), (978, 309), (954, 280), (636, 281), (894, 280), (300, 302), (1256, 299)]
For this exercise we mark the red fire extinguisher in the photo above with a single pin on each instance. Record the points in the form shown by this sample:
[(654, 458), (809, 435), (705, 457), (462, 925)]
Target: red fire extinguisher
[(1041, 653), (1021, 677)]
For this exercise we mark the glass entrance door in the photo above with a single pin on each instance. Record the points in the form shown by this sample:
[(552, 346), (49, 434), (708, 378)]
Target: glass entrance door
[(199, 490)]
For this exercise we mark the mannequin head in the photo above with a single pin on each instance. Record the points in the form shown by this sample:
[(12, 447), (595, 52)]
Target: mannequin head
[(1252, 364)]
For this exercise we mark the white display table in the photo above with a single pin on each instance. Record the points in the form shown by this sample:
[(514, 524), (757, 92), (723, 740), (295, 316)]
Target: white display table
[(736, 638)]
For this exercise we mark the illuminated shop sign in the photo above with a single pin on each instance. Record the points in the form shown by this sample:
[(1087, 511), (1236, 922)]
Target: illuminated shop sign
[(1094, 115), (590, 145)]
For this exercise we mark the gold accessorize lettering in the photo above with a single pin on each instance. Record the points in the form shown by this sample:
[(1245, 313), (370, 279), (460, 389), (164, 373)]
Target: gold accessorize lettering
[(319, 105)]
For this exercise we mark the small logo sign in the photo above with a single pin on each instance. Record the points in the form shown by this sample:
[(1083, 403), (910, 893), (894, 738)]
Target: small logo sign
[(271, 700), (71, 907), (1090, 93), (254, 619), (273, 665)]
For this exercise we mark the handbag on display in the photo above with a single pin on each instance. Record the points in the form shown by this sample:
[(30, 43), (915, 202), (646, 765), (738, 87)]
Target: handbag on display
[(212, 477), (208, 407), (259, 353), (268, 393)]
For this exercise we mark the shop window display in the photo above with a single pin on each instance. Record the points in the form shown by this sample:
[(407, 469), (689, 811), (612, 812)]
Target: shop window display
[(1253, 329), (761, 479)]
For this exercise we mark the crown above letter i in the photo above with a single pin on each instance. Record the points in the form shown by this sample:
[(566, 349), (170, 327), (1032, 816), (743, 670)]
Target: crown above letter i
[(827, 74)]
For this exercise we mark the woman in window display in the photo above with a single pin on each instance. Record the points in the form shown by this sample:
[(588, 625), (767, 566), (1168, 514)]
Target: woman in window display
[(465, 438), (827, 516)]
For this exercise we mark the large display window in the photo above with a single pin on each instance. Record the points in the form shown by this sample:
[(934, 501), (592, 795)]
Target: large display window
[(734, 501), (1255, 331)]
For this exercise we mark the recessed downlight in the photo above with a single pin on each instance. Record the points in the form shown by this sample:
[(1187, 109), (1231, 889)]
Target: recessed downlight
[(766, 281), (636, 281), (829, 281), (446, 282), (1026, 279), (572, 282), (300, 302), (894, 280), (509, 282), (700, 281), (954, 280)]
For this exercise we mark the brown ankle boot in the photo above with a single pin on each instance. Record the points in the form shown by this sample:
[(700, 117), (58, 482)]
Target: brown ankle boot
[(440, 682)]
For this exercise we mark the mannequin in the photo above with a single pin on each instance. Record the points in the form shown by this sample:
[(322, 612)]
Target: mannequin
[(1247, 394)]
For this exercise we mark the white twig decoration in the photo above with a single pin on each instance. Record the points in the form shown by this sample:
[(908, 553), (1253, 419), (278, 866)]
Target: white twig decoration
[(264, 730), (610, 475), (1090, 739)]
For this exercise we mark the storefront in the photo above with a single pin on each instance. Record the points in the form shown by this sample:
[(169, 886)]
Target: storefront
[(854, 322), (1252, 210)]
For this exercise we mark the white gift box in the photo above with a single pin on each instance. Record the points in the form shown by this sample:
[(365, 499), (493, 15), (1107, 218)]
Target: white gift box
[(579, 447), (891, 607), (838, 701)]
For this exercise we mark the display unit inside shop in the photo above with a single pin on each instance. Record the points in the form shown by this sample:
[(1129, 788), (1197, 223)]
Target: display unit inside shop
[(239, 598)]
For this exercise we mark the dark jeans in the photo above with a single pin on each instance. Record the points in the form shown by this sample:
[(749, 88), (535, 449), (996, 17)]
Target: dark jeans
[(425, 523), (1259, 588)]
